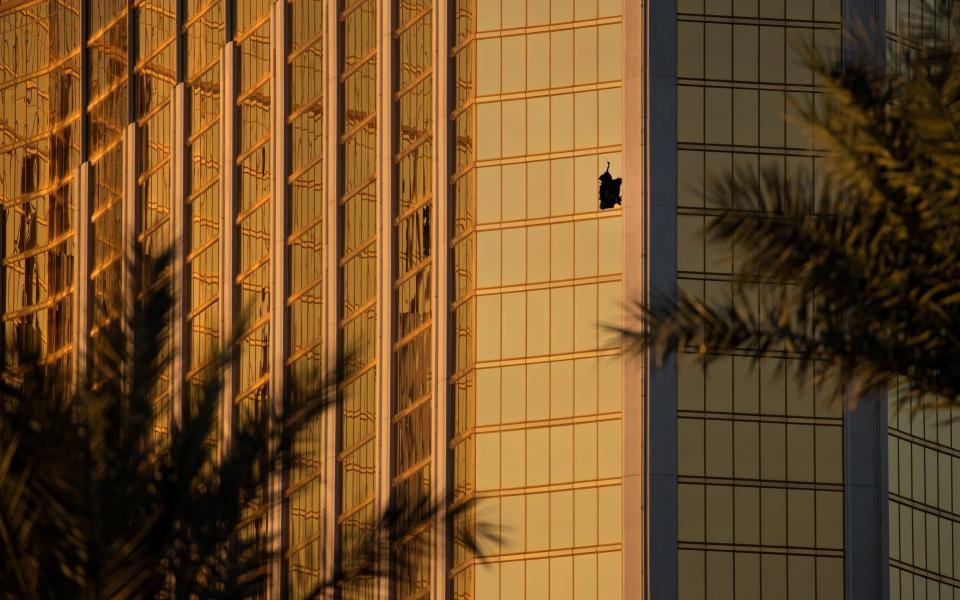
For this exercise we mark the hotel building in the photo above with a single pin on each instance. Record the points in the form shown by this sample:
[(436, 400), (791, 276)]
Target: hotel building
[(411, 186)]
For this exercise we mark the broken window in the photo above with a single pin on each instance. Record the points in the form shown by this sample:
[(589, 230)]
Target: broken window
[(609, 190)]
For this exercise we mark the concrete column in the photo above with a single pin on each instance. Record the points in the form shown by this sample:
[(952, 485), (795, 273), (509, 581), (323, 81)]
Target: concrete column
[(866, 519), (650, 229), (279, 330), (331, 201), (441, 288), (385, 262), (228, 217)]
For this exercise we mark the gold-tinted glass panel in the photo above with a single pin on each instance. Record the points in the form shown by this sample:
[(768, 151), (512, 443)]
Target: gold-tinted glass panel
[(357, 259), (412, 288), (537, 266), (155, 72), (760, 489), (107, 47), (39, 152), (306, 305)]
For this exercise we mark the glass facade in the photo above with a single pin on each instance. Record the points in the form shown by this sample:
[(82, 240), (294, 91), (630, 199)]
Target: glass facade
[(759, 449), (156, 75), (359, 215), (40, 108), (545, 403), (412, 418), (306, 248), (923, 446), (300, 143)]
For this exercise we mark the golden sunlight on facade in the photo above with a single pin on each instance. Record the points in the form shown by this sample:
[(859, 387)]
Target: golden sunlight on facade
[(409, 189)]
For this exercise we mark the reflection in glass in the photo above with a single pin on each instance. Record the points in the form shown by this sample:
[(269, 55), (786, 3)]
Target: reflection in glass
[(413, 230), (39, 152), (306, 247), (357, 260)]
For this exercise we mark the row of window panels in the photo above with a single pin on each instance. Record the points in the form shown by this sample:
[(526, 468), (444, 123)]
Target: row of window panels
[(541, 456), (750, 450), (754, 516), (903, 16), (307, 20), (558, 123), (414, 46), (542, 188), (359, 30), (51, 327), (249, 13), (108, 60), (747, 385), (31, 41), (33, 106), (805, 10), (697, 168), (557, 252), (923, 418), (307, 70), (505, 14), (905, 585), (108, 119), (924, 540), (560, 520), (743, 117), (549, 390), (765, 54), (924, 475), (543, 322), (156, 32), (203, 39), (38, 280), (306, 223), (155, 135), (581, 577), (719, 575), (44, 163), (39, 222), (556, 59), (746, 296)]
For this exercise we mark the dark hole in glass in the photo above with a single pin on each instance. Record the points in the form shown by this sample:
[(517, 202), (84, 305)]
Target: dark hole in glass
[(609, 190)]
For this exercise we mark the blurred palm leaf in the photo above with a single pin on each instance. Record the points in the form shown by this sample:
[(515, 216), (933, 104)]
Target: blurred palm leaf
[(92, 505)]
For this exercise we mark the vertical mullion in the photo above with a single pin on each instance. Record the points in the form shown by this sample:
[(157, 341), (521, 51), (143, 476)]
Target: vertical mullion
[(278, 264), (441, 289), (385, 266), (180, 284), (228, 249), (331, 479), (129, 219), (81, 275)]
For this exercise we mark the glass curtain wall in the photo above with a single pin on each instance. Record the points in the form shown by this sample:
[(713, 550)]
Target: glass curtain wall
[(358, 264), (760, 474), (463, 195), (107, 107), (204, 34), (155, 71), (40, 111), (546, 414), (252, 234), (923, 447), (306, 256), (412, 287)]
